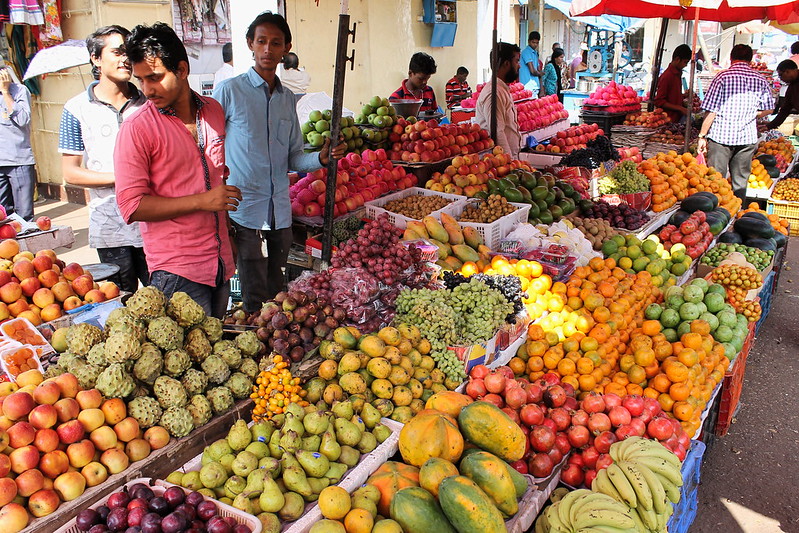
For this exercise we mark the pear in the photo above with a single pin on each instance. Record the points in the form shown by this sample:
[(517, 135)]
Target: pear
[(329, 447), (289, 461), (245, 463), (293, 423), (362, 502), (274, 445), (358, 422), (271, 499), (316, 422), (296, 481), (311, 443), (225, 500), (206, 458), (293, 508), (227, 462), (343, 410), (318, 484), (336, 472), (369, 491), (278, 420), (219, 492), (191, 480), (381, 432), (270, 523), (234, 486), (213, 475), (258, 448), (218, 449), (261, 431), (208, 493), (315, 464), (296, 410), (255, 481), (367, 443), (357, 401), (271, 465), (239, 436), (347, 433), (349, 456), (244, 503), (176, 478), (370, 416), (290, 441)]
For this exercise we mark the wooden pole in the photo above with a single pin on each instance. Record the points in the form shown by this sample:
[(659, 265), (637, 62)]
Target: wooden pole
[(653, 86), (494, 66)]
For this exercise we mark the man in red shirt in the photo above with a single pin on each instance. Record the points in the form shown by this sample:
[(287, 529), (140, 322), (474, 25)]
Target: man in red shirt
[(458, 88), (415, 87), (670, 94)]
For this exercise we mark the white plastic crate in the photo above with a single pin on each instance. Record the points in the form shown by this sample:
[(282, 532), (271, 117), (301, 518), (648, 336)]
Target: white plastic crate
[(374, 208), (494, 232)]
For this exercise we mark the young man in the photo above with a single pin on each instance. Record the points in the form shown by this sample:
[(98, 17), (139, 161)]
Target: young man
[(294, 78), (89, 126), (169, 163), (736, 98), (263, 142), (508, 136), (458, 88), (415, 87), (226, 70), (17, 173), (530, 71), (670, 94), (788, 73)]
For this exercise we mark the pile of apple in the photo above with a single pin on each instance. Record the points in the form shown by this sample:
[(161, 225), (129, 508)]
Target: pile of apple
[(360, 178), (615, 98), (647, 119), (540, 113), (41, 287), (632, 154), (517, 91), (429, 142), (12, 228), (57, 440), (469, 174), (571, 139)]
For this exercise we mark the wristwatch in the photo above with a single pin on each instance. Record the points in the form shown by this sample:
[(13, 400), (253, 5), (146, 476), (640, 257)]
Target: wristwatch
[(702, 135)]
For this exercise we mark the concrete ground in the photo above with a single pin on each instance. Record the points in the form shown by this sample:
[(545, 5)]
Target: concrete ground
[(77, 217)]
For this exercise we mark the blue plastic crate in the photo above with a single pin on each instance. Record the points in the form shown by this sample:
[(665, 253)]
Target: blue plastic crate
[(685, 510), (766, 295)]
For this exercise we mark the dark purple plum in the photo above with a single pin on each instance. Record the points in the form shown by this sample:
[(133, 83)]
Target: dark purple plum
[(206, 510), (174, 496), (159, 505), (174, 523), (86, 519), (151, 523), (117, 519), (194, 498)]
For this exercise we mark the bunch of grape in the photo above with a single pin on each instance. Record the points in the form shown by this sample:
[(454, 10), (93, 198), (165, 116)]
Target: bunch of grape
[(482, 309), (624, 179), (511, 289)]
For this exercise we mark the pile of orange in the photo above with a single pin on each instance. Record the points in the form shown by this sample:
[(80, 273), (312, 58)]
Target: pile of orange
[(667, 182), (704, 178), (780, 145)]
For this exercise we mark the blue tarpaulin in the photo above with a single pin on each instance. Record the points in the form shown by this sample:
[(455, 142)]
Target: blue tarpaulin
[(604, 22)]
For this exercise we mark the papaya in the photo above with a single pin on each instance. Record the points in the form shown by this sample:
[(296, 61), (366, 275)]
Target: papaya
[(455, 234), (447, 219), (465, 253), (490, 473), (449, 402), (486, 426), (410, 235), (418, 227), (443, 264), (390, 478), (453, 262), (433, 472), (444, 249), (526, 196), (472, 237), (467, 507), (417, 511), (429, 434), (435, 230)]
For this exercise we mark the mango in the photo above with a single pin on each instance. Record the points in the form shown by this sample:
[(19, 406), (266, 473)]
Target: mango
[(435, 230), (448, 219), (465, 253), (455, 234), (444, 249), (410, 235), (472, 237), (453, 262), (418, 228)]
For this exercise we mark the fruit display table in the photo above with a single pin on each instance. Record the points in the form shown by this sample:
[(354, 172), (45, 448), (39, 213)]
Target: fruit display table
[(55, 237)]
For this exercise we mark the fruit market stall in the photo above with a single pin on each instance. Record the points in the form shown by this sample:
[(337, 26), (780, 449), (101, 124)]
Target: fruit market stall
[(37, 235)]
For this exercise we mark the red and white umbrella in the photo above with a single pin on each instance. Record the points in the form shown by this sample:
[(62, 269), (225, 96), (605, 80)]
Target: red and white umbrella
[(711, 10)]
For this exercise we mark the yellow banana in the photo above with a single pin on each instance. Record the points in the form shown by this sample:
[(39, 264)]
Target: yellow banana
[(554, 523), (619, 450), (659, 500), (565, 505), (648, 517), (606, 529), (639, 524), (622, 484), (604, 517), (642, 492), (598, 503), (672, 491), (654, 452), (662, 468), (603, 484)]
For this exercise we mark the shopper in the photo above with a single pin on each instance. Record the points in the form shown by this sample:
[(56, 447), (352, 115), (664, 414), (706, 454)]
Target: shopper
[(257, 101), (553, 75), (789, 74), (89, 126), (294, 78), (170, 171), (421, 67), (17, 173), (578, 64), (508, 136), (670, 96), (736, 98), (795, 52), (530, 71), (458, 88), (226, 70)]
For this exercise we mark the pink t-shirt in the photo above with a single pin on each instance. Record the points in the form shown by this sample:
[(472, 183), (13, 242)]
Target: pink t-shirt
[(155, 155)]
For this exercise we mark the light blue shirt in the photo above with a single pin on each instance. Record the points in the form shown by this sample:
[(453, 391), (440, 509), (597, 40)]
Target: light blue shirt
[(263, 141), (15, 129), (529, 81)]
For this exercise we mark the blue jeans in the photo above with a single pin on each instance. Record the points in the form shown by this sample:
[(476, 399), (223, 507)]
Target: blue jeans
[(16, 190), (213, 300), (132, 265)]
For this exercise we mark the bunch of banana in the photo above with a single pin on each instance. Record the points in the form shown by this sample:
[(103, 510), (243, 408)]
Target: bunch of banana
[(585, 511), (646, 476)]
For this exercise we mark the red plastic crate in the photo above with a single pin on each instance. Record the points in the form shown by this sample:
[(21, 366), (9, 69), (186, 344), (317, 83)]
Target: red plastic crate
[(732, 385)]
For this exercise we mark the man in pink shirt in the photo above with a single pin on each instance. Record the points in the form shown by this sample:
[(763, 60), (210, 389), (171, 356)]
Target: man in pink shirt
[(169, 162)]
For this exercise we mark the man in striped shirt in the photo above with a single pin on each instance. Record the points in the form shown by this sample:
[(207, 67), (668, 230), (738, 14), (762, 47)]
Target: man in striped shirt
[(736, 98), (415, 87), (458, 88)]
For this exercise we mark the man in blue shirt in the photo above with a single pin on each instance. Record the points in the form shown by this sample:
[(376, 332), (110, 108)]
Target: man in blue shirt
[(17, 175), (263, 141), (529, 73)]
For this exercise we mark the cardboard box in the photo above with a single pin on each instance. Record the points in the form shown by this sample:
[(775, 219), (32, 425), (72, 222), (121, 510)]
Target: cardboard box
[(476, 354), (313, 246), (703, 271)]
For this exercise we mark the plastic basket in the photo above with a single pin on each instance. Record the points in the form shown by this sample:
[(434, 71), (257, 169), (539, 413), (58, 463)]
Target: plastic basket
[(374, 208), (685, 510), (786, 210), (731, 386), (159, 487), (494, 232), (766, 296)]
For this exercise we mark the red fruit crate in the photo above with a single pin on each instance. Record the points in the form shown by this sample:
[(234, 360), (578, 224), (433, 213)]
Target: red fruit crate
[(636, 200), (732, 385)]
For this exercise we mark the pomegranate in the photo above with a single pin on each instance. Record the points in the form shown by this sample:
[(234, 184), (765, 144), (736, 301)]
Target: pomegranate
[(555, 454), (590, 476), (520, 466), (612, 400), (571, 403), (496, 399), (476, 389), (572, 475), (523, 381), (604, 440), (576, 459), (561, 417), (598, 422), (568, 388), (619, 416), (634, 404), (512, 413), (579, 418), (550, 378), (516, 397), (531, 415), (603, 461), (639, 426), (534, 393), (578, 436), (593, 403), (590, 456), (548, 422), (479, 372), (511, 384), (554, 396), (676, 425), (540, 465), (645, 416), (652, 405), (680, 452), (495, 382), (660, 428), (625, 431), (562, 443), (684, 440), (507, 372), (542, 438)]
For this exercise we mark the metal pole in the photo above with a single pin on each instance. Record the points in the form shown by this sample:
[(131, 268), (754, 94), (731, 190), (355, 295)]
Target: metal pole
[(653, 87), (494, 65), (344, 33), (689, 116)]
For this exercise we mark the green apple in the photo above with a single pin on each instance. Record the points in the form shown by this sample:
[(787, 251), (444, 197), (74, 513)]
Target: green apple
[(375, 101), (347, 133), (391, 111), (315, 139), (307, 128), (384, 102), (322, 125), (315, 115), (327, 114), (360, 119), (382, 111), (367, 110), (351, 145), (358, 143)]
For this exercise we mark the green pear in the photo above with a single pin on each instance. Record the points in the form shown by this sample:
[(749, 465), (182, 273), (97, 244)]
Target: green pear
[(369, 491), (218, 449), (316, 422), (336, 472), (293, 423), (370, 416), (293, 508), (289, 461), (358, 422), (271, 499), (315, 464), (367, 443), (296, 410), (271, 465), (357, 401), (347, 433), (329, 447), (343, 410), (244, 463), (243, 502), (274, 445), (311, 443), (296, 481), (318, 484), (239, 436), (262, 431), (176, 478), (227, 462), (258, 448), (349, 456), (234, 486), (206, 458), (311, 408), (362, 502), (291, 441), (191, 480), (270, 523), (213, 475), (381, 432), (208, 493), (255, 481), (225, 500), (278, 420), (219, 492)]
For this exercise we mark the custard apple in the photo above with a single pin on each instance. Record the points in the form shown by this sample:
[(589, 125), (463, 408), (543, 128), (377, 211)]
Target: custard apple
[(86, 373), (165, 333), (116, 315), (185, 311), (200, 409), (212, 327), (228, 352), (170, 392), (147, 303), (66, 359), (248, 343), (194, 381), (114, 382), (145, 410), (128, 324), (221, 399), (150, 348), (54, 371), (177, 421), (249, 368), (96, 355), (82, 336), (216, 369), (176, 362), (140, 390), (240, 385), (197, 345), (149, 365), (121, 347)]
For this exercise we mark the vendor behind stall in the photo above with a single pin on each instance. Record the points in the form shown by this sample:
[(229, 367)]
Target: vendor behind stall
[(415, 87), (508, 135), (670, 94), (788, 73)]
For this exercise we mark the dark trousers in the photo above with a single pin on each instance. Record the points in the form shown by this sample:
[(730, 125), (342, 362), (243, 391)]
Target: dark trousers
[(16, 190), (132, 265), (262, 255), (735, 159), (213, 300)]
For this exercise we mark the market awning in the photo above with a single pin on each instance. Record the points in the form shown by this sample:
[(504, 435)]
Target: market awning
[(604, 22), (716, 10)]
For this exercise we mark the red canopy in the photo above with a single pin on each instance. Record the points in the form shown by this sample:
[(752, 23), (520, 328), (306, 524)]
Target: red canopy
[(710, 10)]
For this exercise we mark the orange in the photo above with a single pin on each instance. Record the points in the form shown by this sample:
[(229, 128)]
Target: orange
[(650, 327), (566, 367), (558, 287), (585, 366), (588, 344), (649, 392), (682, 410), (692, 340), (644, 356), (587, 382), (615, 388), (571, 344), (700, 326), (679, 392), (536, 348), (596, 264), (633, 388), (536, 269), (517, 365), (636, 374), (551, 359), (676, 372), (535, 332), (688, 357), (666, 403), (571, 380), (601, 314), (660, 383), (535, 364), (552, 338), (469, 268)]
